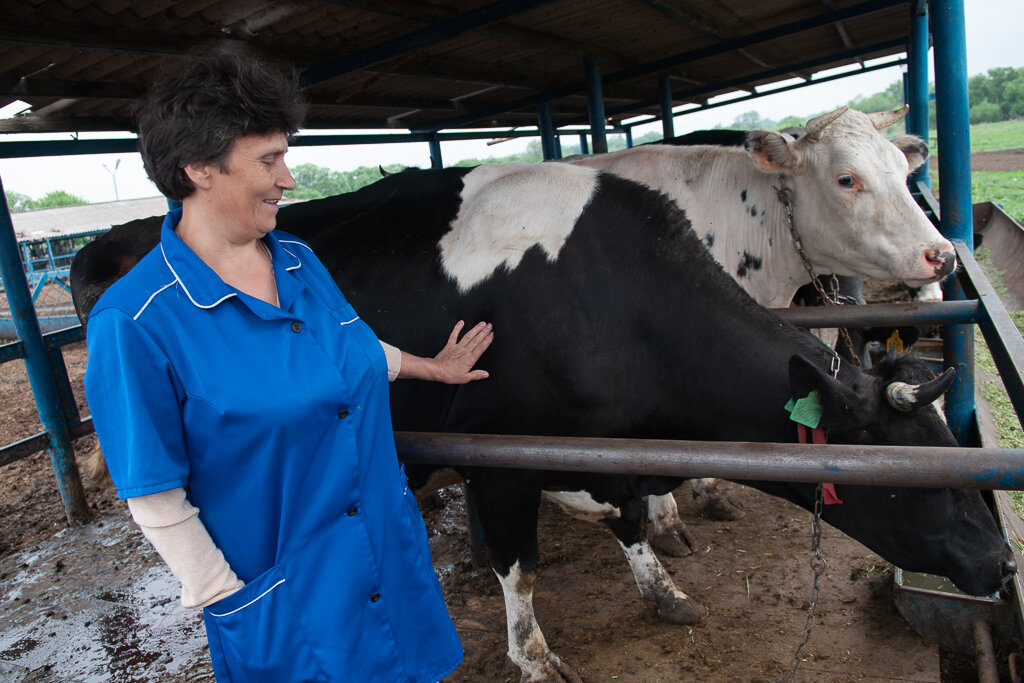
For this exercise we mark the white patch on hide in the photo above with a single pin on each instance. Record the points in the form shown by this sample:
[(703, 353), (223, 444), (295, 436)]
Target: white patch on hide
[(663, 512), (526, 644), (507, 209), (581, 505), (651, 578)]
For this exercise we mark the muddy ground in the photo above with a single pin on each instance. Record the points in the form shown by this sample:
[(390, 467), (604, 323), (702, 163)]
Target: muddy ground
[(94, 603)]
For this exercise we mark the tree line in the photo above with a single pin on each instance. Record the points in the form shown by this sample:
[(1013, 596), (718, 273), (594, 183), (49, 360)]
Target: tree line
[(18, 202)]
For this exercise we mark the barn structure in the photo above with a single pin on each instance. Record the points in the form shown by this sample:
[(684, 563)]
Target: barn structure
[(444, 71)]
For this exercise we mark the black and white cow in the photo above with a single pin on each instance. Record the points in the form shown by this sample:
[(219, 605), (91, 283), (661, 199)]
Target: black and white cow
[(850, 203), (611, 320)]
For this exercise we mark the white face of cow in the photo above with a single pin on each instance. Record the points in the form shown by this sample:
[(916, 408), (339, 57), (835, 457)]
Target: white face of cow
[(852, 207)]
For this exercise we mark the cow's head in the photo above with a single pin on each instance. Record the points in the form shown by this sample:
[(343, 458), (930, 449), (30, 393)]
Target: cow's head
[(851, 202), (940, 531)]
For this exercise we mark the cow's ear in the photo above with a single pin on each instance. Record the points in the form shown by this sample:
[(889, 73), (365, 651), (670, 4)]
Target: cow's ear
[(836, 398), (913, 147), (769, 150)]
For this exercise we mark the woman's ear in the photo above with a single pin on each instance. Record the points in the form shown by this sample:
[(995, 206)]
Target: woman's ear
[(199, 174)]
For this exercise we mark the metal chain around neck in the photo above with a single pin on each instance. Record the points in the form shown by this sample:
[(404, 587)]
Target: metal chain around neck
[(785, 196), (818, 565)]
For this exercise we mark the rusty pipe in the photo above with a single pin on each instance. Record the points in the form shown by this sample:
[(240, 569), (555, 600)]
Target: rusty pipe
[(979, 468)]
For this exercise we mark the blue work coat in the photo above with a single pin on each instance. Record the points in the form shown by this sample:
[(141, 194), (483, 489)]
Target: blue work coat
[(276, 422)]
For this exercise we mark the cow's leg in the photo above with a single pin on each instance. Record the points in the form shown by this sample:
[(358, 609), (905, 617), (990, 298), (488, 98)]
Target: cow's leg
[(508, 502), (668, 533), (625, 515), (714, 502)]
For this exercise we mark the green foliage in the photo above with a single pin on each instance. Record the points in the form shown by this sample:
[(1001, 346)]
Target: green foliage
[(1003, 87), (887, 100), (989, 137), (17, 201), (20, 202), (1005, 188), (985, 112), (316, 182)]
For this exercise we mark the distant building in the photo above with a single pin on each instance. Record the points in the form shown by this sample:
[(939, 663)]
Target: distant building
[(64, 221)]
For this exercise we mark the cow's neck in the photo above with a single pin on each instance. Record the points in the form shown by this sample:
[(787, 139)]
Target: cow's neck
[(757, 248)]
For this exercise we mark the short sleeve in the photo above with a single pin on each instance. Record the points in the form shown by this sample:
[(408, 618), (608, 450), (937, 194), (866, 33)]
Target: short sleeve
[(135, 400)]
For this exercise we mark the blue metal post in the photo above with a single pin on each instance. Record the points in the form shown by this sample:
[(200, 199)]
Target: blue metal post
[(917, 83), (40, 372), (583, 144), (595, 104), (547, 131), (951, 105), (435, 152), (629, 138), (667, 123)]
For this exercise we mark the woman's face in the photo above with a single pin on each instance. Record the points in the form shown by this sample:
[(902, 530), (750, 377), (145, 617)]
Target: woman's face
[(253, 179)]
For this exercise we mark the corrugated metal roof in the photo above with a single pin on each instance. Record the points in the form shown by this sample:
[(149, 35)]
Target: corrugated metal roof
[(70, 220), (439, 65)]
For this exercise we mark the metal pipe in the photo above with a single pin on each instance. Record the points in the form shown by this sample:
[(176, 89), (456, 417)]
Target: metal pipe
[(668, 130), (595, 104), (435, 152), (984, 653), (917, 83), (583, 144), (547, 131), (980, 468), (952, 121), (40, 373), (919, 314)]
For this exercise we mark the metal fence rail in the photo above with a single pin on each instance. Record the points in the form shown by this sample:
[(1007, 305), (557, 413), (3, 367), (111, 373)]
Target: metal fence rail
[(978, 468)]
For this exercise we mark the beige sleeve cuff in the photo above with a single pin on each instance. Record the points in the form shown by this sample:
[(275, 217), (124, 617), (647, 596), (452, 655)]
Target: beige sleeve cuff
[(394, 357), (173, 526)]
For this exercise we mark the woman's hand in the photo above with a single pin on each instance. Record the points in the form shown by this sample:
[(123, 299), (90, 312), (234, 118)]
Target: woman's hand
[(454, 363)]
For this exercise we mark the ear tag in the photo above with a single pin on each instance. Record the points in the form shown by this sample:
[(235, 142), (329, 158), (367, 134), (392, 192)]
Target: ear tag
[(806, 411), (894, 342)]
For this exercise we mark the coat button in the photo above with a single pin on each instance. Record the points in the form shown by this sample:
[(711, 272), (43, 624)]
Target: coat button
[(352, 511), (343, 413), (296, 327), (375, 597)]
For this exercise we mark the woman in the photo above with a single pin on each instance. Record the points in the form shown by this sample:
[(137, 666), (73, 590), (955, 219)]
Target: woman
[(242, 406)]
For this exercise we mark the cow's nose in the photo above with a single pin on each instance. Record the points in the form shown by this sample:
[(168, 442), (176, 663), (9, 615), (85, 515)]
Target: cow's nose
[(943, 263)]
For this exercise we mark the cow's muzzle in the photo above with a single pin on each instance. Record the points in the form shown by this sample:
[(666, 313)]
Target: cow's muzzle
[(942, 263)]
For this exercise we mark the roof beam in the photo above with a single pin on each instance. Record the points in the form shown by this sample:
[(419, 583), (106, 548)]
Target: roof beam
[(429, 13), (417, 39), (840, 29), (792, 28), (769, 74)]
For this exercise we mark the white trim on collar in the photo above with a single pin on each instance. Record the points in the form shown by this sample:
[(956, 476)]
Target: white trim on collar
[(150, 299), (301, 244), (188, 293)]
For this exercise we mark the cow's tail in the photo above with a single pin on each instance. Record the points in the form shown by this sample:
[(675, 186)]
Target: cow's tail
[(96, 468)]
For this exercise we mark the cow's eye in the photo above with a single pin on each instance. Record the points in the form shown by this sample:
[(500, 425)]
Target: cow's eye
[(847, 181)]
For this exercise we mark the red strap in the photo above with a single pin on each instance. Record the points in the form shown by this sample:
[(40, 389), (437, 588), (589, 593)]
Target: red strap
[(818, 437)]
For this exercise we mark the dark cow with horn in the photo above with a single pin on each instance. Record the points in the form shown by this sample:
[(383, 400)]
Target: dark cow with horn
[(613, 321)]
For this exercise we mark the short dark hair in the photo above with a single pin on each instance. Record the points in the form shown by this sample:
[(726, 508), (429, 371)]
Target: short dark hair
[(195, 115)]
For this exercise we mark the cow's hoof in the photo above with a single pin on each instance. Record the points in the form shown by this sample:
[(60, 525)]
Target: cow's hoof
[(550, 670), (718, 505), (681, 610), (674, 542)]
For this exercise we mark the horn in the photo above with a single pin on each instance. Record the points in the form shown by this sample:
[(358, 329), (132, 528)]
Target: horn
[(816, 125), (883, 119), (907, 397)]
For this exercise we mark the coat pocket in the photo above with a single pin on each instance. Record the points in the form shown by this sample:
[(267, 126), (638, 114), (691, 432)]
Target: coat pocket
[(258, 634)]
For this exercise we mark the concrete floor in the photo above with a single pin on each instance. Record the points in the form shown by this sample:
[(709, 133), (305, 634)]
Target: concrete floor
[(95, 603)]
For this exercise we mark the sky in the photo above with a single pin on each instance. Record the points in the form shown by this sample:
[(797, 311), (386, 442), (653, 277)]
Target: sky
[(993, 34)]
